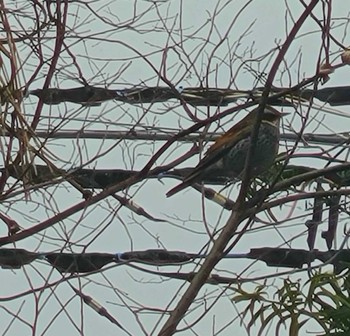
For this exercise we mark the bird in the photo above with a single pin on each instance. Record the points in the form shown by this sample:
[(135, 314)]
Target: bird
[(227, 156)]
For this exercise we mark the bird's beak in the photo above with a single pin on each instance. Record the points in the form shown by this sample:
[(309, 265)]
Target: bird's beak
[(283, 114), (276, 112)]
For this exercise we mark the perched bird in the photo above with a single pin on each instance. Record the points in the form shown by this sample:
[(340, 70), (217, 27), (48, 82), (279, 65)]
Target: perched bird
[(227, 156)]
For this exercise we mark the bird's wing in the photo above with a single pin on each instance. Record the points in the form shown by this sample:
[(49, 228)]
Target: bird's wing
[(219, 149), (238, 130)]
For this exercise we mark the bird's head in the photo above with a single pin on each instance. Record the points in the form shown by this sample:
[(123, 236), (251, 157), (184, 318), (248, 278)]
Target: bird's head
[(270, 114)]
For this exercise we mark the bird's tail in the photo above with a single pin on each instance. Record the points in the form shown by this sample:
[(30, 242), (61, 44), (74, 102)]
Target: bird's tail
[(178, 188), (189, 180)]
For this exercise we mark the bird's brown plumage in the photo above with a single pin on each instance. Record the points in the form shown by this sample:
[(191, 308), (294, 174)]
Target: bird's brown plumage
[(237, 141)]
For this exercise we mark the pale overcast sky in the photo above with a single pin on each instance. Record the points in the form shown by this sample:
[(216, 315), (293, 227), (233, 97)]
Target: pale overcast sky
[(109, 48)]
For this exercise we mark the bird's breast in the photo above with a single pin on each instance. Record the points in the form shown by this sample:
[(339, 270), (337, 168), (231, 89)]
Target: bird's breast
[(264, 154)]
